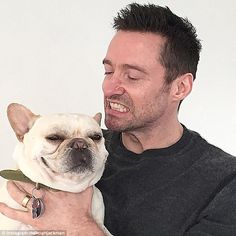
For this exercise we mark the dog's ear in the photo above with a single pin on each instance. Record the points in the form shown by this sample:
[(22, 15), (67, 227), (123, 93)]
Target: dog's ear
[(21, 119), (98, 118)]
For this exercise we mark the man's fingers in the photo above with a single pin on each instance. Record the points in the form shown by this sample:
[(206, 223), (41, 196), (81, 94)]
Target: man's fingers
[(24, 187), (13, 213), (18, 194)]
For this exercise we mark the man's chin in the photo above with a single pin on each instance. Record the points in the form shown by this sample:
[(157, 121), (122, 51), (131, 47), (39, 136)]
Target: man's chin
[(115, 126)]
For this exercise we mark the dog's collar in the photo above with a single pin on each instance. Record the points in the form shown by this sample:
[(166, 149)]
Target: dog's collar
[(18, 175)]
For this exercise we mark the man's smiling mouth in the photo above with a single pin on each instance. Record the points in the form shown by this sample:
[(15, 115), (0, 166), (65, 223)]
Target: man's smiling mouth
[(117, 107)]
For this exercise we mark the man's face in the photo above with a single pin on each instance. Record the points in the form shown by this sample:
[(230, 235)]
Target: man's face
[(135, 93)]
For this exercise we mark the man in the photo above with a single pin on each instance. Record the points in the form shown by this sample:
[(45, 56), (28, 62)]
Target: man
[(161, 178)]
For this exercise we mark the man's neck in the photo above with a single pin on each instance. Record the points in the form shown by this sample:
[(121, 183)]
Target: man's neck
[(160, 137)]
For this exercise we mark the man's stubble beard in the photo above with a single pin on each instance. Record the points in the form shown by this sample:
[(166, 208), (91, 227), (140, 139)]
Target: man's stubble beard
[(149, 115)]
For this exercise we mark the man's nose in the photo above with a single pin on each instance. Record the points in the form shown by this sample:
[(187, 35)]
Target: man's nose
[(112, 86)]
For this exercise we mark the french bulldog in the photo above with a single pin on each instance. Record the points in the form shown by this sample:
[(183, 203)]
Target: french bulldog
[(62, 151)]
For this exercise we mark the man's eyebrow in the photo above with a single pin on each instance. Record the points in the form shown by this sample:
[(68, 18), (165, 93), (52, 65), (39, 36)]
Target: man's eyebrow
[(135, 67), (106, 61), (126, 66)]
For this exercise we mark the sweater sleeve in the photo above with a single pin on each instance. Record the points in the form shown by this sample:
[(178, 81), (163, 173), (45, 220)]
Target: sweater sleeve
[(219, 217)]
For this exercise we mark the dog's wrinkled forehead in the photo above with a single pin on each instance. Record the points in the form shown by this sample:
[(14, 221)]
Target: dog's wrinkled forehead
[(66, 124)]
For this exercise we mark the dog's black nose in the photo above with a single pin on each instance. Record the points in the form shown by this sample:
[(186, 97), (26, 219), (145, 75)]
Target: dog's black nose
[(78, 143)]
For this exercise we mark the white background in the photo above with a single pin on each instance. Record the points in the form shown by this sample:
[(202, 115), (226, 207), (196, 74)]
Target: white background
[(51, 55)]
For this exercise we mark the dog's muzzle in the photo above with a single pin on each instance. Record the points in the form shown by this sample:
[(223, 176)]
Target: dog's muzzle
[(79, 157)]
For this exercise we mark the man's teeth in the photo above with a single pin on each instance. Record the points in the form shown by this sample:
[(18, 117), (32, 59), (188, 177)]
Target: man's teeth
[(118, 107)]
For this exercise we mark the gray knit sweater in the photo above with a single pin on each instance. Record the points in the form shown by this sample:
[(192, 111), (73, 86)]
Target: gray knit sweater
[(188, 188)]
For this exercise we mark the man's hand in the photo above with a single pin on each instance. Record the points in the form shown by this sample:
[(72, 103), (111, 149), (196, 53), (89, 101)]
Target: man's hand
[(63, 210)]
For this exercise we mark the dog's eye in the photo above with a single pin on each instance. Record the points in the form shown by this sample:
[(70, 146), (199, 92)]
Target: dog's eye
[(96, 137), (54, 137)]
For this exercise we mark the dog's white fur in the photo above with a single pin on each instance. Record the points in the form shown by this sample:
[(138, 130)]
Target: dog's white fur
[(55, 170)]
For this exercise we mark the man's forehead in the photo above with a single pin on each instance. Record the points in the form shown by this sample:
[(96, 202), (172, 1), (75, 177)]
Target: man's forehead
[(134, 45)]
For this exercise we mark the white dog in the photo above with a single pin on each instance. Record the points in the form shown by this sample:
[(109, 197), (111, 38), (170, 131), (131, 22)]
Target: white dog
[(62, 151)]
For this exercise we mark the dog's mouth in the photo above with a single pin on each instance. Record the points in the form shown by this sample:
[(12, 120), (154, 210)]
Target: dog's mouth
[(73, 161), (78, 169), (46, 164)]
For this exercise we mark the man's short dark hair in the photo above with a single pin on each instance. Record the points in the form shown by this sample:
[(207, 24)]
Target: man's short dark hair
[(180, 53)]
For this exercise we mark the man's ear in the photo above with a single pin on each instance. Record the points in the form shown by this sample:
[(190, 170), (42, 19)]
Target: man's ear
[(21, 119), (98, 118), (182, 86)]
